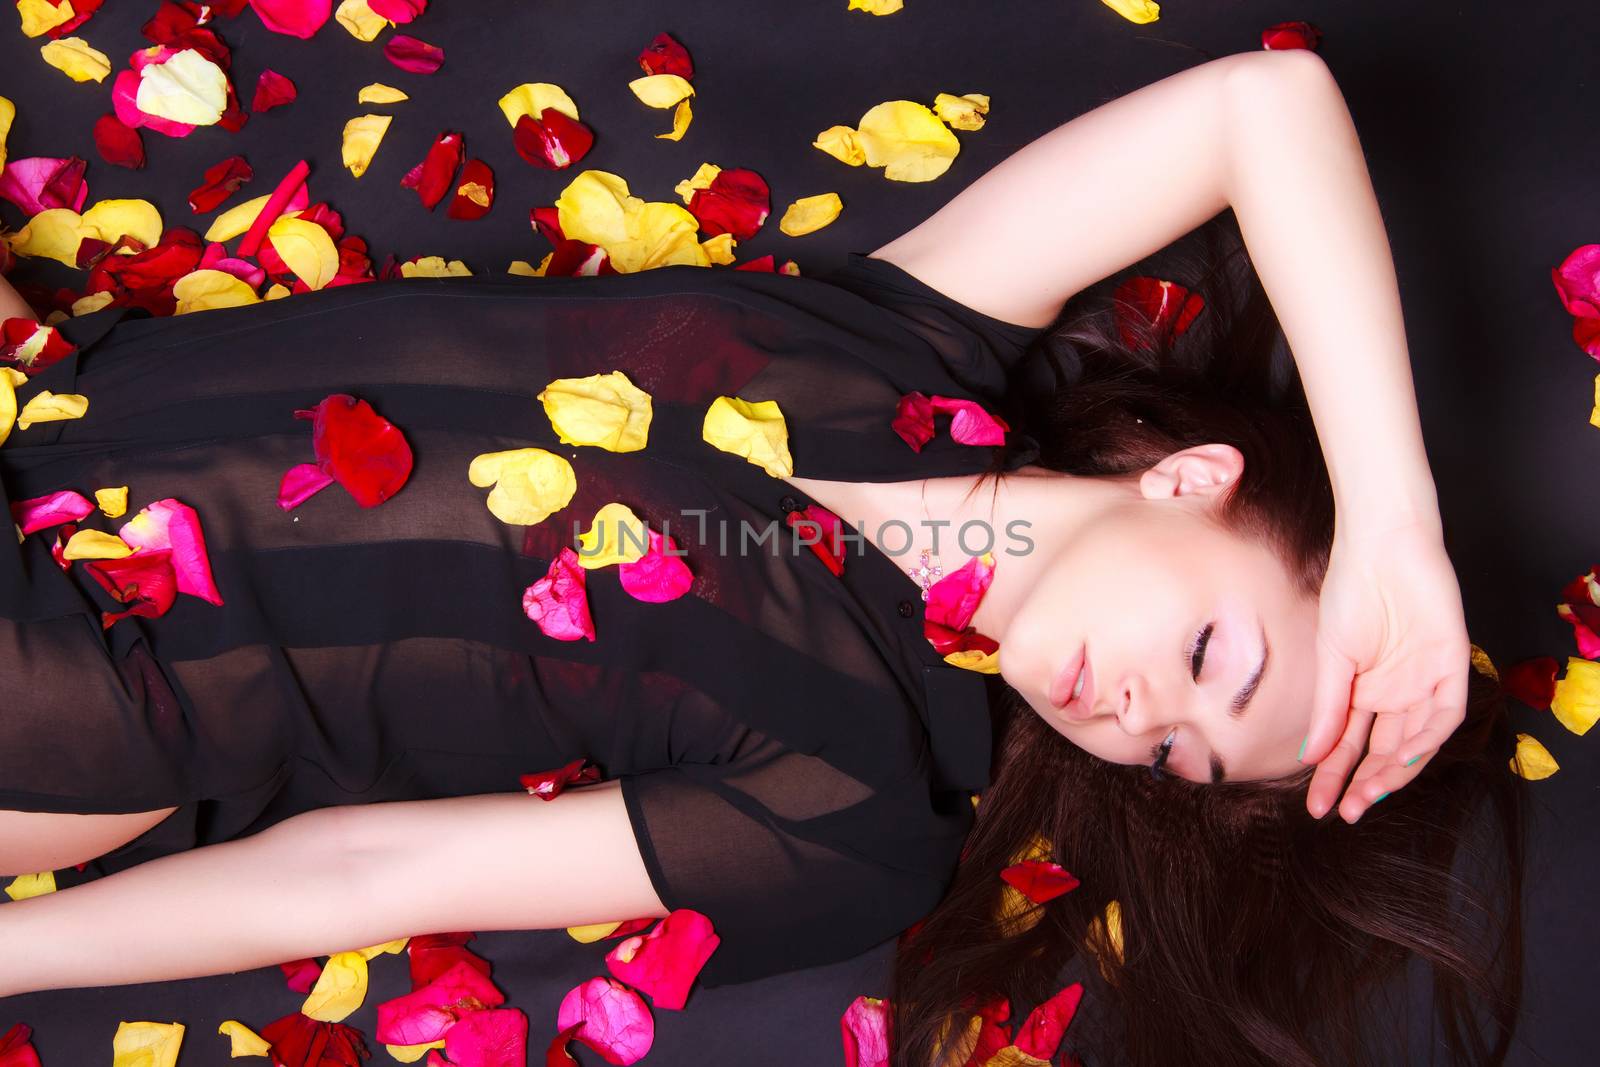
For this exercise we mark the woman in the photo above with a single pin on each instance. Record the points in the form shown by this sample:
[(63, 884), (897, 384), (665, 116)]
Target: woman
[(781, 747)]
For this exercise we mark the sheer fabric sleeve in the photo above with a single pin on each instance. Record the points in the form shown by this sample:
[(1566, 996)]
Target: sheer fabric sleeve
[(980, 351), (794, 863)]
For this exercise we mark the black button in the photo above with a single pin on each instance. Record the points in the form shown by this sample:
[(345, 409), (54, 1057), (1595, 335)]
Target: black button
[(907, 609), (789, 503)]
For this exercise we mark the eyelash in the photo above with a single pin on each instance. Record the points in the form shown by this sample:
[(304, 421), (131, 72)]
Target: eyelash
[(1195, 655)]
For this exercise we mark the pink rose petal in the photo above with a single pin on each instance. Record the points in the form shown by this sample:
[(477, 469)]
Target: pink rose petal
[(427, 1014), (300, 483), (656, 577), (173, 525), (39, 183), (124, 93), (665, 962), (52, 509), (865, 1027), (617, 1024), (416, 56), (1577, 281), (216, 257), (953, 599), (497, 1037), (273, 90), (398, 11), (969, 423), (297, 18), (559, 602), (913, 420)]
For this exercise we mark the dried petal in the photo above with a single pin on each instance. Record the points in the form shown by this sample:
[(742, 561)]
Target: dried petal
[(273, 90), (1532, 760), (659, 575), (965, 112), (170, 524), (529, 483), (665, 962), (604, 410), (74, 57), (907, 140), (474, 192), (146, 1044), (810, 214), (616, 1022), (118, 144), (756, 431), (409, 53), (559, 602)]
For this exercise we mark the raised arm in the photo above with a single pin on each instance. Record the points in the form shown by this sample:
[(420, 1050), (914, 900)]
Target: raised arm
[(1268, 134), (337, 879)]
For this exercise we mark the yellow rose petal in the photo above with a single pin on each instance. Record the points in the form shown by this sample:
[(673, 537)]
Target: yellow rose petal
[(306, 248), (877, 7), (276, 291), (412, 1053), (31, 885), (682, 115), (96, 544), (86, 305), (1105, 937), (755, 431), (207, 290), (434, 267), (661, 90), (702, 178), (524, 268), (719, 249), (239, 218), (8, 115), (393, 948), (52, 407), (340, 988), (1012, 1056), (842, 143), (907, 140), (810, 213), (113, 219), (10, 380), (1483, 664), (1532, 760), (962, 112), (588, 935), (113, 502), (531, 98), (615, 535), (974, 659), (146, 1044), (362, 135), (363, 23), (245, 1041), (379, 93), (604, 410), (53, 233), (74, 57), (186, 88), (1594, 412), (1137, 11), (40, 16), (636, 234), (530, 484), (1577, 700)]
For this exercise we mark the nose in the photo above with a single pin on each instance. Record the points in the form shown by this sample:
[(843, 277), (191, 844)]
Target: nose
[(1134, 705)]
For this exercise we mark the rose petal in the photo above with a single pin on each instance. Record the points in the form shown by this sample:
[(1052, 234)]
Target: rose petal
[(907, 140), (363, 451), (46, 406), (559, 601), (737, 201), (661, 90), (529, 484), (1532, 760), (301, 975), (864, 1028), (398, 11), (144, 1044), (970, 424), (187, 88), (363, 23), (301, 483), (171, 524), (966, 112), (547, 785), (602, 410), (118, 144), (665, 962), (32, 346), (242, 1041), (428, 1013), (52, 509), (39, 16), (659, 575), (553, 140), (1576, 701), (953, 599), (273, 90), (74, 57), (616, 1022), (1040, 881), (664, 55), (497, 1037), (39, 183), (379, 93), (296, 18), (756, 431), (1532, 681), (433, 954), (361, 138), (1290, 35), (302, 1041), (1138, 12), (615, 535), (306, 248), (145, 579), (8, 115), (474, 191), (220, 181), (532, 98), (340, 988), (821, 531), (810, 214), (435, 175), (1151, 313), (409, 53), (237, 219), (279, 202)]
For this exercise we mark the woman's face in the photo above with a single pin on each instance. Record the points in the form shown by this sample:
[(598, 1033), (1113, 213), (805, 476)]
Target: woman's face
[(1146, 593)]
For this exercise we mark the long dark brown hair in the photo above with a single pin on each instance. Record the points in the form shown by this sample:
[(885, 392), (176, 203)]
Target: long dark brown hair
[(1251, 933)]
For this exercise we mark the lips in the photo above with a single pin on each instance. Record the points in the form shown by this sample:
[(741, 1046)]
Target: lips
[(1061, 688), (1082, 708)]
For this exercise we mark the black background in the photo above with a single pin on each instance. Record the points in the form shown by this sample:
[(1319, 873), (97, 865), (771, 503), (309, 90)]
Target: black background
[(1479, 127)]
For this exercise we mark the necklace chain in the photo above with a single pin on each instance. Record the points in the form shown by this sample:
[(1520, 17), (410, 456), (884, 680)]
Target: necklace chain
[(926, 573)]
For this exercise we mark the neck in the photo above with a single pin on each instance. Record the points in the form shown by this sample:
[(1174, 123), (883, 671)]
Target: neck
[(1024, 520)]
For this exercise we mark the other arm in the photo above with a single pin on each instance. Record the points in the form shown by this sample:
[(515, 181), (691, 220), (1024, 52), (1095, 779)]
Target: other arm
[(336, 879)]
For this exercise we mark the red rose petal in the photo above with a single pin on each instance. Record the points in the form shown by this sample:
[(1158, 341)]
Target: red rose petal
[(495, 1037), (737, 201), (548, 222), (433, 954), (118, 144), (301, 975), (297, 18), (219, 182), (300, 1041), (416, 56), (547, 785), (474, 191), (399, 12), (820, 530), (1532, 681), (273, 90), (435, 175), (276, 204), (575, 258), (1152, 312), (1290, 35), (553, 140), (761, 263), (1039, 880), (82, 11), (16, 1048), (145, 579), (31, 346), (665, 962), (1041, 1032), (664, 55), (146, 279), (363, 451)]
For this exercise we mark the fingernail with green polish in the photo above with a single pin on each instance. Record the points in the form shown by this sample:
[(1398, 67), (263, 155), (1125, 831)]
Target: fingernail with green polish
[(1413, 759), (1379, 797), (1302, 754)]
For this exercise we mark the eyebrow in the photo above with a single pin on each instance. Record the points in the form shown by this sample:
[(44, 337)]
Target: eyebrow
[(1241, 702)]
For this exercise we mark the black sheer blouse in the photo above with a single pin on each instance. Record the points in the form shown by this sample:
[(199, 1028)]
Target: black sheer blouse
[(796, 759)]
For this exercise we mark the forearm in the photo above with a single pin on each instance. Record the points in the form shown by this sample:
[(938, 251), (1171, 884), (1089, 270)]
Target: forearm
[(282, 894), (1298, 183)]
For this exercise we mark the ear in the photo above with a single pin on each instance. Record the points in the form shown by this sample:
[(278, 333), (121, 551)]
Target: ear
[(1205, 469)]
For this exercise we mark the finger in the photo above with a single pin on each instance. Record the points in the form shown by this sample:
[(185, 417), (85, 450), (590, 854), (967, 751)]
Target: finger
[(1330, 703), (1449, 710), (1335, 766), (1376, 782)]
